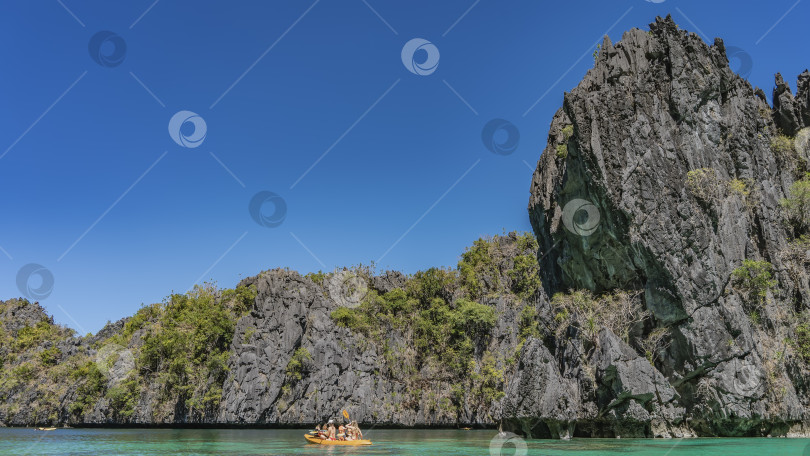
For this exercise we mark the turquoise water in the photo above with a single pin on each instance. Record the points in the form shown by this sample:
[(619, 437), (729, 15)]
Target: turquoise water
[(386, 442)]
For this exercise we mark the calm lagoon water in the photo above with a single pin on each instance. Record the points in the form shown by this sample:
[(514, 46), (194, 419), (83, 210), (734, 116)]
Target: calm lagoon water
[(386, 442)]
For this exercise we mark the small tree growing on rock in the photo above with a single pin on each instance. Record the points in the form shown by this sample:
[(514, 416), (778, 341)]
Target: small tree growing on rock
[(796, 206), (704, 184), (802, 340), (654, 343), (753, 279), (298, 363), (783, 147)]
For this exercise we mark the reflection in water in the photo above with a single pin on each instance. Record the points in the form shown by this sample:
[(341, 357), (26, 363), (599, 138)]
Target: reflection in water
[(186, 442)]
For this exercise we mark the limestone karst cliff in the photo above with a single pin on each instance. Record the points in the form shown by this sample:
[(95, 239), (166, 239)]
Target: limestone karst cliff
[(664, 292), (665, 173)]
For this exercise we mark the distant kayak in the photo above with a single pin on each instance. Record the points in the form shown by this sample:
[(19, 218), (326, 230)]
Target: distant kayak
[(46, 429), (313, 439)]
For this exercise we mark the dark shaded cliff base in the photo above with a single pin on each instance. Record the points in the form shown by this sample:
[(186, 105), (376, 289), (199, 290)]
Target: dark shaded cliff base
[(665, 294)]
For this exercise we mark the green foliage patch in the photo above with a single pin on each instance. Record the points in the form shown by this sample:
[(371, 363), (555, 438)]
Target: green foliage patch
[(124, 396), (36, 335), (439, 331), (783, 146), (91, 384), (803, 339), (477, 266), (525, 274), (297, 363), (437, 310), (50, 356), (704, 184), (316, 277), (796, 207), (439, 321), (754, 279), (187, 345)]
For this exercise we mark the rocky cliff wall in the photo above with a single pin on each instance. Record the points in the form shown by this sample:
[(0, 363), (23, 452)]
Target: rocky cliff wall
[(667, 296), (663, 173)]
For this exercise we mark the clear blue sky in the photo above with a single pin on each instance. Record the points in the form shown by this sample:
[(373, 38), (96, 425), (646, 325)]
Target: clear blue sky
[(68, 175)]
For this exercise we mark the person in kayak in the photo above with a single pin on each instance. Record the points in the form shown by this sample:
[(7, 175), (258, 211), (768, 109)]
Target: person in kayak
[(330, 428), (353, 431), (349, 432), (358, 434)]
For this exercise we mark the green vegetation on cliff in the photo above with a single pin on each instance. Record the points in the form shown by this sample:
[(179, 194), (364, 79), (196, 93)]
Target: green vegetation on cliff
[(32, 361), (179, 347), (187, 345), (754, 279), (797, 205), (444, 333), (170, 360), (441, 320), (297, 363)]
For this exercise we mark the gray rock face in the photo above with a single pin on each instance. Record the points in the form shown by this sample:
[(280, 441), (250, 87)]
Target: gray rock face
[(18, 314), (659, 178), (791, 114), (344, 372), (540, 400), (617, 211)]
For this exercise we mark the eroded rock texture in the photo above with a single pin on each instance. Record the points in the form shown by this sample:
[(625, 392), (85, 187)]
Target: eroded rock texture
[(656, 106), (663, 172)]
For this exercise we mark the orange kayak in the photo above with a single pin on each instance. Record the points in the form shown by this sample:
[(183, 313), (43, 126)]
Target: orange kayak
[(313, 439)]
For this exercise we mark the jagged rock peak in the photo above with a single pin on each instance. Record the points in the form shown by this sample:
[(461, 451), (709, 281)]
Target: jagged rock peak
[(660, 175)]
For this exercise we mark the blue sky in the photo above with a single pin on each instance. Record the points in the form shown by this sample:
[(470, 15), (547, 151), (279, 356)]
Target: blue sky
[(97, 191)]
